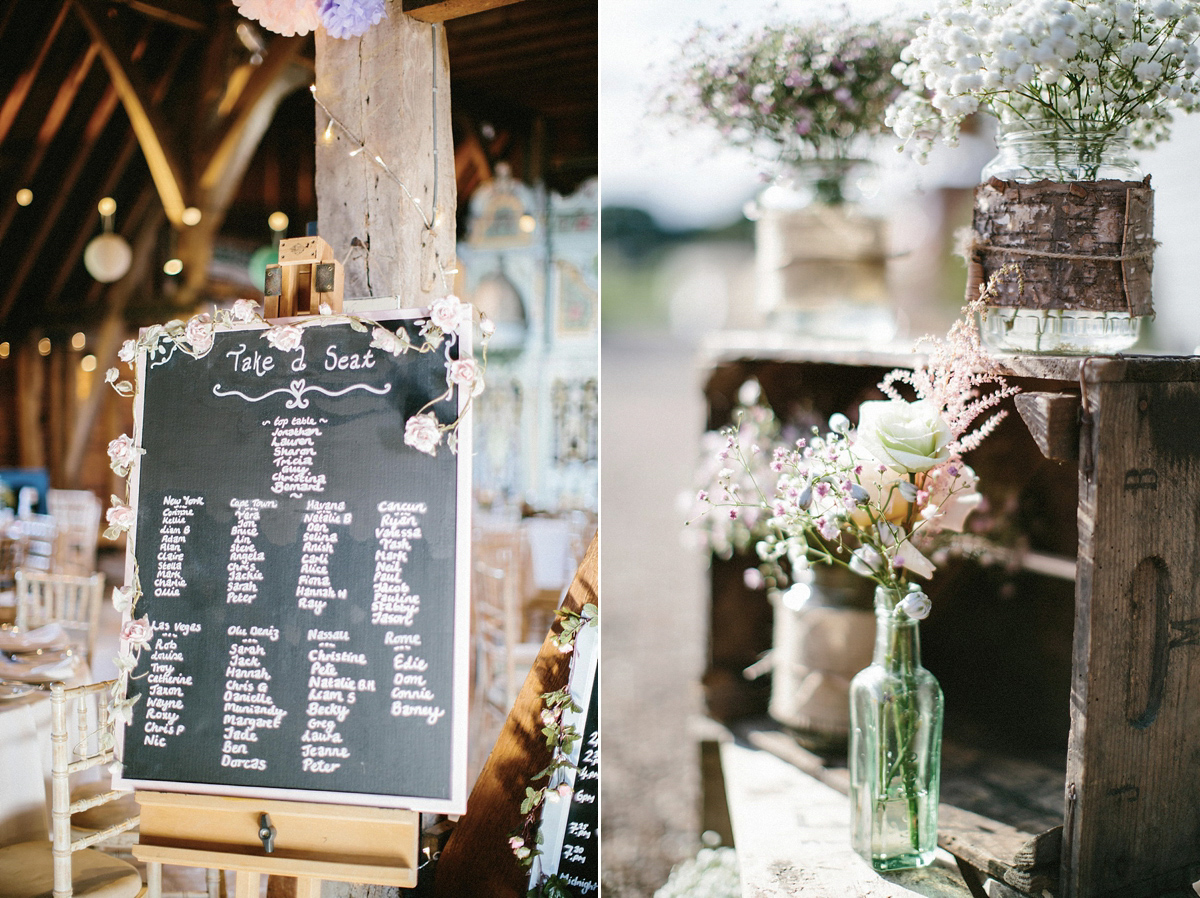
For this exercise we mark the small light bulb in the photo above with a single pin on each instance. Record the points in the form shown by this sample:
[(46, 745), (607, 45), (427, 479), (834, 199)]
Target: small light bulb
[(328, 135), (277, 221), (78, 340), (173, 267), (88, 363), (24, 196), (527, 223), (4, 349), (356, 152), (107, 206), (44, 346), (191, 216), (312, 88)]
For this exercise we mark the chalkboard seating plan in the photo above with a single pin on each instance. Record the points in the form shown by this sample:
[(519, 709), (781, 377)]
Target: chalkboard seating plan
[(298, 543)]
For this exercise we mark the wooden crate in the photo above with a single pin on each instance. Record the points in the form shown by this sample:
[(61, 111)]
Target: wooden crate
[(1093, 685)]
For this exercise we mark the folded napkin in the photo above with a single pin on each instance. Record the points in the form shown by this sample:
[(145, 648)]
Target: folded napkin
[(51, 636), (35, 671)]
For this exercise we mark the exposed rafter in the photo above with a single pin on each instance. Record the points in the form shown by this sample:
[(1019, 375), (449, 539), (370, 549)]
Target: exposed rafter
[(152, 134), (16, 97), (443, 10)]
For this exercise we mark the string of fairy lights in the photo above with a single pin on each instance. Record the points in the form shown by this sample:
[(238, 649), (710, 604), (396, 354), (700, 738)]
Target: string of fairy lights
[(360, 147)]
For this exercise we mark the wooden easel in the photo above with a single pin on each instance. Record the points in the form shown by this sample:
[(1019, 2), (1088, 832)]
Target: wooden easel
[(312, 842), (306, 276)]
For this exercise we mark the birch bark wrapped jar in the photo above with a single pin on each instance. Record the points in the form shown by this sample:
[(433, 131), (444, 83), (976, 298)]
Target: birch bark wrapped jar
[(1068, 219)]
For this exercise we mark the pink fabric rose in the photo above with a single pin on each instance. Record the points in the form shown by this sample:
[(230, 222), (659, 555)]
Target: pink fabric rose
[(382, 338), (244, 310), (448, 313), (199, 332), (465, 373), (423, 433), (285, 337), (123, 454), (120, 517), (137, 633)]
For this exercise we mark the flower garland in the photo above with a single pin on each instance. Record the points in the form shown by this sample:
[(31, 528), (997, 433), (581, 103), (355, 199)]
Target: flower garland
[(561, 737), (195, 337)]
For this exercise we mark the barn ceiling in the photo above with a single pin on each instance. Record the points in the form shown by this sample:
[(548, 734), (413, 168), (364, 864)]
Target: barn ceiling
[(98, 98)]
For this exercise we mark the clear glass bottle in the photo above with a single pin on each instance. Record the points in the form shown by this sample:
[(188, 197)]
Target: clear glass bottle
[(895, 752), (1026, 154), (820, 259)]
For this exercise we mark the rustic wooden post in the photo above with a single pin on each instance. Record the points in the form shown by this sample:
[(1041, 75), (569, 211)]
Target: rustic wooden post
[(391, 90), (1132, 824)]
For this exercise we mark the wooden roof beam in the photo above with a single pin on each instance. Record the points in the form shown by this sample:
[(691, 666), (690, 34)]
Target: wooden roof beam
[(50, 217), (194, 15), (152, 133), (20, 90), (86, 228), (280, 75), (442, 10), (67, 91)]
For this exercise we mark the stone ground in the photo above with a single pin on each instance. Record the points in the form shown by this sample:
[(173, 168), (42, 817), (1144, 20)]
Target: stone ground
[(653, 613)]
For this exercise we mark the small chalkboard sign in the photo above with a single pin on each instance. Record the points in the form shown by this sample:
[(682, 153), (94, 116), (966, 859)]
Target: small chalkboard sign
[(304, 569), (570, 829)]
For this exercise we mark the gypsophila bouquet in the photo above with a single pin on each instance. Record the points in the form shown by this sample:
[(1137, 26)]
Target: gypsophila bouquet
[(1069, 67), (789, 92), (872, 498)]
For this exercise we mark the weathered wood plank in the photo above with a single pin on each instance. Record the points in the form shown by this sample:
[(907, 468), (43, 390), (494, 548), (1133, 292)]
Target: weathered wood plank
[(477, 859), (792, 836), (1053, 422), (391, 89), (443, 10), (760, 346), (1023, 859), (1132, 822)]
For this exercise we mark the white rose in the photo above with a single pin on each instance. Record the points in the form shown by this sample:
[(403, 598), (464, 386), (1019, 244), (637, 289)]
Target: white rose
[(200, 333), (906, 436), (448, 313), (423, 433), (128, 352), (286, 337)]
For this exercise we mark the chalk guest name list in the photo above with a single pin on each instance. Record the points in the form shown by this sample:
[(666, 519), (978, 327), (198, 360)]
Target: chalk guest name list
[(299, 571)]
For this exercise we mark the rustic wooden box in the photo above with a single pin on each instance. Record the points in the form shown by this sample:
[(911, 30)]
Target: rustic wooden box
[(1073, 709)]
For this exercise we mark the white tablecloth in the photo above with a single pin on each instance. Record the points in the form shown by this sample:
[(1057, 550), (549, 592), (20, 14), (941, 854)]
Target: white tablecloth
[(26, 763)]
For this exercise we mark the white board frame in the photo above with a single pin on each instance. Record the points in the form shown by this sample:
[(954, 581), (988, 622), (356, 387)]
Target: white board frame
[(457, 802)]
